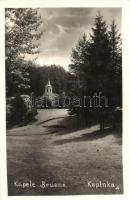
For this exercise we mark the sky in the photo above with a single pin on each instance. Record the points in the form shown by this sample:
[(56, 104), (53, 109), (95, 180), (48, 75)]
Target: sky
[(63, 27)]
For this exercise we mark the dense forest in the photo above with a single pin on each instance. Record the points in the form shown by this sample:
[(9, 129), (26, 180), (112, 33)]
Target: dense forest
[(59, 78)]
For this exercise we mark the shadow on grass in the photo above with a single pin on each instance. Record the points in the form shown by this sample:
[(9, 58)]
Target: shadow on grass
[(54, 118), (55, 126), (68, 125), (21, 124), (92, 136)]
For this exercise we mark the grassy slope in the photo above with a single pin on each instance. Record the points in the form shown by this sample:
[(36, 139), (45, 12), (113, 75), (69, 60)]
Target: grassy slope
[(61, 154)]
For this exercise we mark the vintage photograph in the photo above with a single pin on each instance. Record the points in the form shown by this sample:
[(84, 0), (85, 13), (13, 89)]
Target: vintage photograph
[(64, 101)]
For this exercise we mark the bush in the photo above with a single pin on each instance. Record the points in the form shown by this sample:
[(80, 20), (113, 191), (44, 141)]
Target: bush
[(19, 110), (9, 114), (30, 115)]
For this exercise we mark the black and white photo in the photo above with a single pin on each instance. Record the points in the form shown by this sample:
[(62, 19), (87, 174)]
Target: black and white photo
[(63, 72)]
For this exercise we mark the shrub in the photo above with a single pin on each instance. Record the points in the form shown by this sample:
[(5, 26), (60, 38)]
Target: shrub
[(19, 110), (9, 114)]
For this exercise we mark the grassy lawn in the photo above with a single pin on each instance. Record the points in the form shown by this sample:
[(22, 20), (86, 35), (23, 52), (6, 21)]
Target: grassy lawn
[(54, 151)]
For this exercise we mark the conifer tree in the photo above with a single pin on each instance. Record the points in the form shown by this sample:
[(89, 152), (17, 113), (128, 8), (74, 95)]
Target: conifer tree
[(99, 56), (79, 58), (115, 65), (98, 62)]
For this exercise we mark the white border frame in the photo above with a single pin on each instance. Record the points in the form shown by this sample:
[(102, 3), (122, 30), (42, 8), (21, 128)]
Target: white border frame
[(125, 5)]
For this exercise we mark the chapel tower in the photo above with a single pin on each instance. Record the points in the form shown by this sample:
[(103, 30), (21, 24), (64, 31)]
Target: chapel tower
[(48, 90)]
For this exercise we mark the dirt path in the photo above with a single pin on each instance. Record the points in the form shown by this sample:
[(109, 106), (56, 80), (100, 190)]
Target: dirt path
[(51, 150)]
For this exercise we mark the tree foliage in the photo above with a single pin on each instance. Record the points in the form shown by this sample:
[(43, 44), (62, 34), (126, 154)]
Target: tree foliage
[(96, 65), (96, 61), (59, 78), (115, 64), (21, 34)]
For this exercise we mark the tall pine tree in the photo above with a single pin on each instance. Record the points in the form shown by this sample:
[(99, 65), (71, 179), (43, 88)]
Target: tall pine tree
[(99, 56), (115, 65), (79, 66), (98, 62)]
